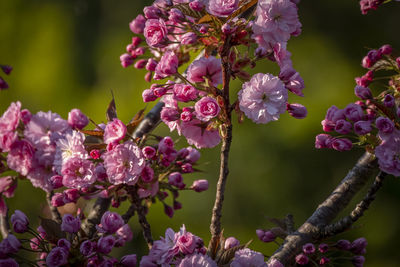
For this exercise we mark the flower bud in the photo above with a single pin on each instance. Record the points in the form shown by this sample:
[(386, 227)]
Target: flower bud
[(384, 125), (309, 248), (137, 25), (323, 247), (126, 60), (56, 181), (341, 144), (70, 224), (64, 243), (168, 210), (140, 64), (148, 95), (6, 69), (200, 185), (129, 260), (358, 246), (151, 64), (105, 244), (87, 247), (151, 12), (362, 92), (323, 141), (57, 257), (358, 261), (25, 116), (343, 244), (57, 200), (111, 222), (301, 259), (19, 222), (197, 5), (362, 127), (189, 38), (76, 119), (324, 260), (297, 111), (71, 195), (389, 101), (343, 127), (231, 242), (386, 49)]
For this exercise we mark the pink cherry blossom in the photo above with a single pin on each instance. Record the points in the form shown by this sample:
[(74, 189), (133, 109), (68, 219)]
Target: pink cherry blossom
[(202, 68), (198, 135), (78, 172), (248, 258), (222, 8), (155, 32), (20, 157), (197, 260), (124, 163), (206, 108), (184, 92), (263, 98), (167, 66), (114, 131)]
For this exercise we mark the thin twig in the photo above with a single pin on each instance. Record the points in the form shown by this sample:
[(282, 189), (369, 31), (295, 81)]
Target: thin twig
[(129, 213), (346, 222), (215, 226), (141, 211), (55, 215), (328, 210)]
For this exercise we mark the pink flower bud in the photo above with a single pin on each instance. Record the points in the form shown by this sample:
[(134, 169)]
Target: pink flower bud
[(389, 101), (19, 222), (168, 211), (358, 246), (309, 248), (76, 119), (155, 32), (203, 29), (105, 244), (25, 116), (200, 185), (147, 174), (165, 145), (95, 154), (186, 243), (147, 77), (168, 65), (111, 222), (148, 95), (184, 92), (197, 5), (151, 64), (3, 84), (126, 60), (362, 127), (297, 111), (175, 179), (129, 260), (177, 205), (231, 242), (324, 260), (323, 141), (386, 49), (358, 261), (136, 41), (186, 116), (58, 200), (362, 92), (189, 38), (175, 15), (114, 131), (57, 257), (70, 224), (301, 259), (56, 181), (87, 248), (6, 69), (341, 144), (152, 12), (137, 25), (71, 195), (187, 168), (140, 51), (149, 152), (384, 125), (140, 64), (398, 62), (64, 243), (323, 247), (353, 112), (343, 244), (343, 127)]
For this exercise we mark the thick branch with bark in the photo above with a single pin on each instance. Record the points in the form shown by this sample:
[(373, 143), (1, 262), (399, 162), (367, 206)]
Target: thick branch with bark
[(4, 225), (327, 211)]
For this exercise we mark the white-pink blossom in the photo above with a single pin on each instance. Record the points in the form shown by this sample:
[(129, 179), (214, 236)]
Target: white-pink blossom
[(198, 135), (263, 98)]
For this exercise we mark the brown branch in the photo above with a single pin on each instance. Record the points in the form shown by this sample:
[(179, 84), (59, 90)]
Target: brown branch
[(141, 211), (55, 215), (129, 213), (328, 210), (99, 208), (226, 131), (346, 222), (4, 225)]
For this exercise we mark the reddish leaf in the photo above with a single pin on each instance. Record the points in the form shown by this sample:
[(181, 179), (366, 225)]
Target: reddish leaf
[(135, 121), (242, 9), (111, 110), (93, 133)]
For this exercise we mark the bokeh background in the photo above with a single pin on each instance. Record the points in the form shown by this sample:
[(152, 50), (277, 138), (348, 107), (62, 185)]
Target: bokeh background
[(65, 54)]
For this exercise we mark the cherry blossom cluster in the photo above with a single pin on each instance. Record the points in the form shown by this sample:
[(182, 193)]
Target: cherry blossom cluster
[(184, 249), (7, 70), (58, 244), (194, 103), (373, 121), (336, 253), (55, 154)]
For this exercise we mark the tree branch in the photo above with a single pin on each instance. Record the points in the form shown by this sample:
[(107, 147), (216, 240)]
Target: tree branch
[(129, 213), (55, 215), (346, 222), (4, 225), (141, 211), (99, 208), (226, 131), (328, 210)]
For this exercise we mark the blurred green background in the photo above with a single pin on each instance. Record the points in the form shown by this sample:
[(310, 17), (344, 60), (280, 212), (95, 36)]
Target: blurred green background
[(65, 54)]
